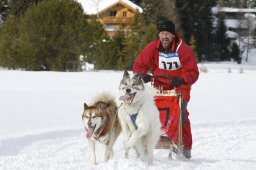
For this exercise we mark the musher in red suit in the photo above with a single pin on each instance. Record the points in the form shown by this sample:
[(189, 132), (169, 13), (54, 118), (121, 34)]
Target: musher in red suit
[(169, 55)]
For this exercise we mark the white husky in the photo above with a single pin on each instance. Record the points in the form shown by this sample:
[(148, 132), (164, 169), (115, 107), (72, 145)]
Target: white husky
[(138, 116)]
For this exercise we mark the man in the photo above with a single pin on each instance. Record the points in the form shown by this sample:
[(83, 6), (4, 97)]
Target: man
[(170, 56)]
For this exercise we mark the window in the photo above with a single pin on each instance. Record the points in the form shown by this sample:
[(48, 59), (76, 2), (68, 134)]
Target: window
[(124, 14), (112, 13)]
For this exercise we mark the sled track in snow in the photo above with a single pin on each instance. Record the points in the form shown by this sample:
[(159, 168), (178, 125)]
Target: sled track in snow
[(227, 145)]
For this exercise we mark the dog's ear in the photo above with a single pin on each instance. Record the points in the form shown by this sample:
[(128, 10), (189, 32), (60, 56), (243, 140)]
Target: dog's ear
[(126, 74), (85, 106), (138, 76)]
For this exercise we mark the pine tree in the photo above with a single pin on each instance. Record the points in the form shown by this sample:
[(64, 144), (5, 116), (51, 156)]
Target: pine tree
[(221, 2), (50, 36), (98, 43), (136, 39), (152, 10), (136, 1), (18, 7), (193, 45), (222, 40), (3, 10), (251, 4), (254, 37), (118, 40), (235, 53), (9, 35), (199, 24), (172, 14), (155, 11), (237, 3)]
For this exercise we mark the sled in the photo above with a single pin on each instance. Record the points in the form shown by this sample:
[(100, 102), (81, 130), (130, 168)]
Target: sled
[(169, 105)]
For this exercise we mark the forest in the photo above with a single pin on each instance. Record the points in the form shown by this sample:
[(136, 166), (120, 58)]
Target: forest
[(57, 35)]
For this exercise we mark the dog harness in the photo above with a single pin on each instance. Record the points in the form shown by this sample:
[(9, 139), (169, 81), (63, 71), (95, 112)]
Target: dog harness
[(133, 119)]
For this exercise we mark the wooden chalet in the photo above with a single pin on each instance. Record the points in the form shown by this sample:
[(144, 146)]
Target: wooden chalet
[(113, 14)]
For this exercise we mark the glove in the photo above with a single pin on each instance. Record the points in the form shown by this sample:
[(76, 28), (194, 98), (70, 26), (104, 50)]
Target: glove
[(177, 82), (146, 78)]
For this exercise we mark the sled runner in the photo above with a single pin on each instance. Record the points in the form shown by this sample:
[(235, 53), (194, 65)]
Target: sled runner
[(169, 104)]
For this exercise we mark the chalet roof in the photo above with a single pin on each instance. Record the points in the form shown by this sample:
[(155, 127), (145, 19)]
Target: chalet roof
[(93, 6)]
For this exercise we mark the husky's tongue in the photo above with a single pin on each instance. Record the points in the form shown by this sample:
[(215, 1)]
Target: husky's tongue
[(125, 97), (89, 132)]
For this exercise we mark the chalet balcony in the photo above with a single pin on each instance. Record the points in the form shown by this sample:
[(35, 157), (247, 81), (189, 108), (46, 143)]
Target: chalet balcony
[(116, 20)]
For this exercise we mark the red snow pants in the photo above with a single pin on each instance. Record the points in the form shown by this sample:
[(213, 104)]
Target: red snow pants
[(186, 133), (169, 111)]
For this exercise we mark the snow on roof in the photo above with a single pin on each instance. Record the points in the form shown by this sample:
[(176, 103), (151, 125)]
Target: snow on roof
[(232, 34), (93, 6), (234, 23), (215, 10)]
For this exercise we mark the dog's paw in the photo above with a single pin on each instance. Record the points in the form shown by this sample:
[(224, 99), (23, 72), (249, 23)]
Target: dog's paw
[(93, 160), (126, 153)]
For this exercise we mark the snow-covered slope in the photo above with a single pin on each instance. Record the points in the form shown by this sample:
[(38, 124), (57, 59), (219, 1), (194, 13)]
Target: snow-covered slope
[(41, 127)]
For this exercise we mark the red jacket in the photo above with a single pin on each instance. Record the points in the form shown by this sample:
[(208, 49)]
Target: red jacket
[(153, 52)]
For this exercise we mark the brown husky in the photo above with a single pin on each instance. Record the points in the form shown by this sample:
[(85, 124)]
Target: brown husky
[(101, 123)]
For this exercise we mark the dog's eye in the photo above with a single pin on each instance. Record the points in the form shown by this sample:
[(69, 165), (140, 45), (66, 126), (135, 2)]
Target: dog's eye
[(135, 84), (124, 82), (93, 116)]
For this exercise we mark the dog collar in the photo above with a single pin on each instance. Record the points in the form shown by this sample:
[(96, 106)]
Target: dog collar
[(102, 131)]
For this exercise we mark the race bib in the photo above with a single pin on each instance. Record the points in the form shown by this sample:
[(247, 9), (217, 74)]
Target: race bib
[(170, 61)]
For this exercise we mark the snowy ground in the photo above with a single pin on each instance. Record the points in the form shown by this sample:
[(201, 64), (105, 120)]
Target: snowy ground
[(41, 127)]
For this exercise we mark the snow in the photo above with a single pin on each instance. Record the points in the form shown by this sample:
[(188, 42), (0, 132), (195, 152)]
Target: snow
[(94, 6), (248, 13), (228, 9), (41, 126), (234, 23), (232, 34)]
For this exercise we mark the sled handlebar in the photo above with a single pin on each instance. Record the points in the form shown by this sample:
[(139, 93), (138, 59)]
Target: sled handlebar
[(163, 76), (170, 78)]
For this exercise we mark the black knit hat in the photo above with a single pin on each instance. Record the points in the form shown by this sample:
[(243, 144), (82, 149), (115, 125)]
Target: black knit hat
[(167, 25)]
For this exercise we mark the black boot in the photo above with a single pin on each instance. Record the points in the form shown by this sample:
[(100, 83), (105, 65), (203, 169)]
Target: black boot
[(187, 153)]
